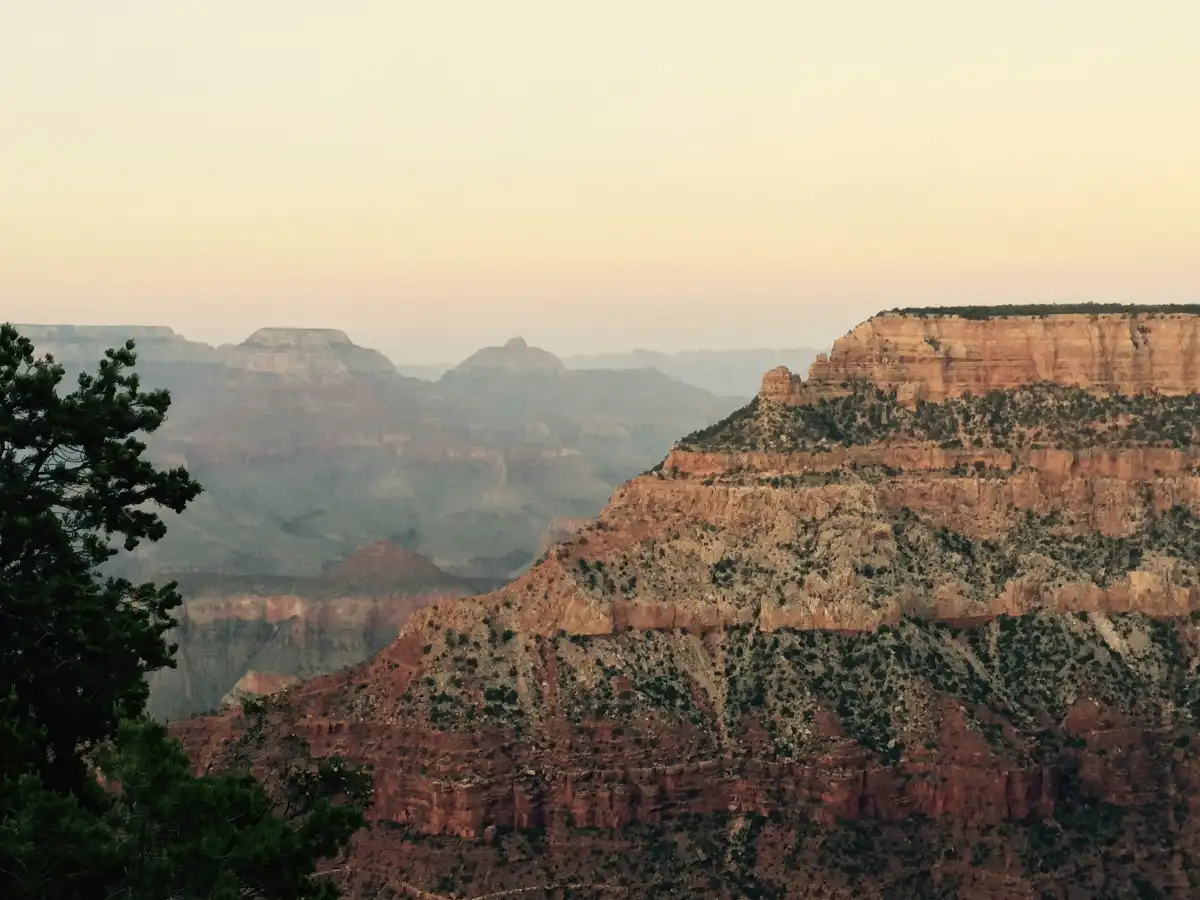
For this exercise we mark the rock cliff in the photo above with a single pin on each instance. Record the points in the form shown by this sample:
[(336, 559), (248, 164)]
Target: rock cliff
[(841, 644), (240, 636), (936, 354)]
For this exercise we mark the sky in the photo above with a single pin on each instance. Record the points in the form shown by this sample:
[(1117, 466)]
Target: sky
[(434, 177)]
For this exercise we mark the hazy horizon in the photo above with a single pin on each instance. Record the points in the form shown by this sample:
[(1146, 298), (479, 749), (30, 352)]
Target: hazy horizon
[(436, 178), (366, 341)]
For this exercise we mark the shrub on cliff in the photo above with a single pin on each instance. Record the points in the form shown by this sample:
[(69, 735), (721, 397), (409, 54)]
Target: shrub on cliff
[(1030, 415), (95, 799)]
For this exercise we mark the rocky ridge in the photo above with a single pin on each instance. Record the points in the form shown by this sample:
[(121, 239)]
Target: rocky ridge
[(904, 629)]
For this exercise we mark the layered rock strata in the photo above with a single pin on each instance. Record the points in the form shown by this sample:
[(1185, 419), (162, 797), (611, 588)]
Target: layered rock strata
[(936, 354), (241, 637), (851, 647)]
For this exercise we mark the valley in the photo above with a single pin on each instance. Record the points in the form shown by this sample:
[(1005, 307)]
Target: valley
[(312, 450)]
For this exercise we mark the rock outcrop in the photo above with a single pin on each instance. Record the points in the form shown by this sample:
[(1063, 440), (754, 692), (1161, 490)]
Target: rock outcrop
[(257, 684), (849, 647), (934, 354)]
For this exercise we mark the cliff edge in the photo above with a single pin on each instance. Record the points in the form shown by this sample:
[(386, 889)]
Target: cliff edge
[(934, 354)]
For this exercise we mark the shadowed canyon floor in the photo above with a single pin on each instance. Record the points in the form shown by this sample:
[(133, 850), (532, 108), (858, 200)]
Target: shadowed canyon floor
[(869, 636)]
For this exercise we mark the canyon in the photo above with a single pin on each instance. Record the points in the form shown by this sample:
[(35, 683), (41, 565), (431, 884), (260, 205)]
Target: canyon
[(312, 449), (310, 446), (245, 636), (916, 626)]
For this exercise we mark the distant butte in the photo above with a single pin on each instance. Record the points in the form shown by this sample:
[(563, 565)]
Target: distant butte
[(516, 357)]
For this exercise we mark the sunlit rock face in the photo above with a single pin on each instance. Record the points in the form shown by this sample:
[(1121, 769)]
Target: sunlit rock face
[(934, 354), (921, 625)]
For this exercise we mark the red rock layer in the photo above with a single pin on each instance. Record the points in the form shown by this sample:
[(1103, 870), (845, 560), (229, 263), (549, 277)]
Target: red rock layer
[(938, 356)]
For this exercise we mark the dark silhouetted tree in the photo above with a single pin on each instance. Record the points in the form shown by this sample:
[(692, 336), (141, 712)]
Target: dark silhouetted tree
[(96, 800)]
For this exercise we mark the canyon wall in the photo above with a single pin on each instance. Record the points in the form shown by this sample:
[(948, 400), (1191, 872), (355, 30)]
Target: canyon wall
[(239, 636), (839, 646), (933, 357)]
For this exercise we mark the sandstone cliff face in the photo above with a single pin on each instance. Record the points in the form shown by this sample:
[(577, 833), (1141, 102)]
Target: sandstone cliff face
[(239, 637), (934, 357), (851, 648)]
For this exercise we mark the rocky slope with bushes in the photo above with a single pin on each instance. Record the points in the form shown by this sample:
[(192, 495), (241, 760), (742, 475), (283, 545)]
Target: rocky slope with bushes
[(862, 640)]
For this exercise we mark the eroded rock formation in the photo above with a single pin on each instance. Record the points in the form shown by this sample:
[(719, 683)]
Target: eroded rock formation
[(242, 636), (309, 355), (850, 647), (935, 355)]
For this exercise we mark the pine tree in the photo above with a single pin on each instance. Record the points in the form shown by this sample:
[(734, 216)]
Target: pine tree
[(96, 800)]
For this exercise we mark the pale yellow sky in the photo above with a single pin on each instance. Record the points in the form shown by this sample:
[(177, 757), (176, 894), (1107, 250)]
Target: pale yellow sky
[(663, 173)]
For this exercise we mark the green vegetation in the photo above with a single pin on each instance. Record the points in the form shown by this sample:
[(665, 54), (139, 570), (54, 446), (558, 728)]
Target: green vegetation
[(473, 680), (633, 677), (908, 562), (1021, 673), (1041, 310), (879, 684), (96, 800), (1031, 416), (925, 555)]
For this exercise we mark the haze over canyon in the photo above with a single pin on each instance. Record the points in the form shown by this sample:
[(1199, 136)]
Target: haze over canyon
[(920, 625), (340, 495)]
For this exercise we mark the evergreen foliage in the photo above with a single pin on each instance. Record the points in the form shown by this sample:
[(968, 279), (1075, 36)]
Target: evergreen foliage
[(96, 800), (1028, 416)]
